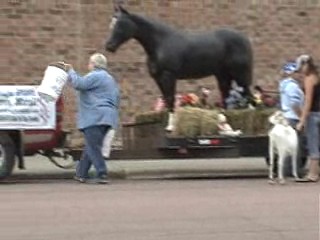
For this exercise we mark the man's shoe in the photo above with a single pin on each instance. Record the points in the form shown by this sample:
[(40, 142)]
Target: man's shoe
[(103, 179), (79, 179), (307, 180)]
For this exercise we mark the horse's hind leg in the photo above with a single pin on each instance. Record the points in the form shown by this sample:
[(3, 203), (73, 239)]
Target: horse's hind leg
[(224, 83), (167, 85), (243, 78)]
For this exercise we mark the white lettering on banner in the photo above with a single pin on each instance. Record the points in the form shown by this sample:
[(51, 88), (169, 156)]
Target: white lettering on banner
[(22, 108), (204, 141)]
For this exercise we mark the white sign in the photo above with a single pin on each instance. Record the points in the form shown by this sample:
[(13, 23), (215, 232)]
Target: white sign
[(21, 107)]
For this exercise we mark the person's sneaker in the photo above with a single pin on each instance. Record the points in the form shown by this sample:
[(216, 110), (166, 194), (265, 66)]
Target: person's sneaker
[(79, 179), (103, 179)]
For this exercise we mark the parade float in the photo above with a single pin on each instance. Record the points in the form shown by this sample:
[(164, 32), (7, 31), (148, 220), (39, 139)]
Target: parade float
[(201, 130)]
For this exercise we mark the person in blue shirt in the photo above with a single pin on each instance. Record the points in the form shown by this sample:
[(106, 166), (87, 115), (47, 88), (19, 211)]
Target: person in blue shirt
[(291, 103), (291, 94), (98, 113)]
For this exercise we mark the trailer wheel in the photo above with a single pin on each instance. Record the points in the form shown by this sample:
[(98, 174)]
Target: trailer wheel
[(6, 155)]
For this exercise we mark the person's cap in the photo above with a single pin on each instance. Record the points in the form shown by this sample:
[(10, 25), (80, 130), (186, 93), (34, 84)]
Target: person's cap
[(290, 67), (302, 59)]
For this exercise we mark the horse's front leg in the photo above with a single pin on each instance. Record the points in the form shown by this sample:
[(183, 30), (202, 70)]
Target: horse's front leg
[(244, 79), (224, 83), (167, 85)]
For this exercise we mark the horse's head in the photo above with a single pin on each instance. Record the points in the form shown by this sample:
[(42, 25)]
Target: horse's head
[(122, 27)]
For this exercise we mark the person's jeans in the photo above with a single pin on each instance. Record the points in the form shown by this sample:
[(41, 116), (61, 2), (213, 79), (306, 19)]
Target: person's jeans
[(312, 133), (92, 151)]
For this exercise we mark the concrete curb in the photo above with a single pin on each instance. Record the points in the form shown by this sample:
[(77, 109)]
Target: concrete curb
[(155, 169)]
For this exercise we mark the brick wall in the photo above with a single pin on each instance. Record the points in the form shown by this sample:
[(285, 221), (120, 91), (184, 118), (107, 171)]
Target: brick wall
[(34, 33)]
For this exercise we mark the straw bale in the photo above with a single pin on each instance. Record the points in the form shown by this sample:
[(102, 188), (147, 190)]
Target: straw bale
[(241, 119), (261, 123), (188, 121), (209, 123), (193, 121), (151, 117)]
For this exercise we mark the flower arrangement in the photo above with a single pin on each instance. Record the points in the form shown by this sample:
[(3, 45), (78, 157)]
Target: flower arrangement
[(159, 105), (235, 100), (190, 99), (262, 99)]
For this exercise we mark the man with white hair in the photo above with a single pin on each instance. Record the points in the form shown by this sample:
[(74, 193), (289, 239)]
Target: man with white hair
[(97, 114)]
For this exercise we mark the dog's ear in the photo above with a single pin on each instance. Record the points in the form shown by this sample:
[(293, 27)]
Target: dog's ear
[(284, 122), (278, 113), (273, 118), (278, 118)]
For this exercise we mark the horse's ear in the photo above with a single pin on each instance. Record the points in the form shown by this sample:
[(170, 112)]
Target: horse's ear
[(122, 9)]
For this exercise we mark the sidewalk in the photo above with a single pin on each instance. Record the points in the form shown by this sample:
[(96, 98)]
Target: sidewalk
[(40, 167)]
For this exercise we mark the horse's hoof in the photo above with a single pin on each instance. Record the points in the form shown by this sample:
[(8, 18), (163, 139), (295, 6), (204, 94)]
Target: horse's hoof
[(169, 128), (282, 181), (272, 181)]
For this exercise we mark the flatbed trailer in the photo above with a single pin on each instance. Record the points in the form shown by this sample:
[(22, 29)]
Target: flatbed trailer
[(150, 141)]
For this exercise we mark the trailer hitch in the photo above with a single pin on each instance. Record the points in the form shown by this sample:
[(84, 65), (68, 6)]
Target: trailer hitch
[(60, 158)]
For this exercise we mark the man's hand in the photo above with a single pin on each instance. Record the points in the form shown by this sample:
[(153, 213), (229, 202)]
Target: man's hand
[(300, 126), (68, 66)]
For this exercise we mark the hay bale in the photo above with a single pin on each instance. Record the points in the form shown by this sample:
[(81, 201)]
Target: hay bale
[(188, 121), (251, 122), (193, 121), (261, 123), (209, 122), (151, 117), (241, 119)]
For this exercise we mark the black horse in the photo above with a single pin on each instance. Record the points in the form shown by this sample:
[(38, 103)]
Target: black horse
[(173, 54)]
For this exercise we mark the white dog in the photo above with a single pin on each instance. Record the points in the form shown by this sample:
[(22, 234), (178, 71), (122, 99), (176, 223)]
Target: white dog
[(283, 140)]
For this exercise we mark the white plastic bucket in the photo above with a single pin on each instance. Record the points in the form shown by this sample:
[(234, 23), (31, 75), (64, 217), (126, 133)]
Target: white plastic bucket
[(55, 77)]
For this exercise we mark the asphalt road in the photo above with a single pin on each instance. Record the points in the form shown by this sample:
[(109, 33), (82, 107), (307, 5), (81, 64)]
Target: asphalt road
[(246, 209)]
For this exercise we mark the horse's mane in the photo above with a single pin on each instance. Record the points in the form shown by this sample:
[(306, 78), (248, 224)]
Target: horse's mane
[(160, 27)]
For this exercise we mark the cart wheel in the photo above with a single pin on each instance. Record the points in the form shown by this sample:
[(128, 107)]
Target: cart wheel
[(6, 155)]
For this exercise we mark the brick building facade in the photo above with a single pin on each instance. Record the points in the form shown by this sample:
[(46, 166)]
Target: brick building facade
[(34, 33)]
